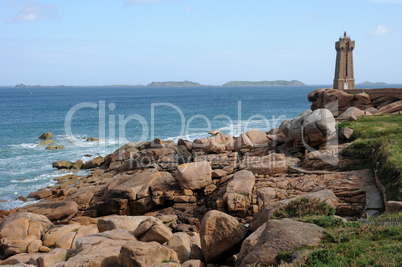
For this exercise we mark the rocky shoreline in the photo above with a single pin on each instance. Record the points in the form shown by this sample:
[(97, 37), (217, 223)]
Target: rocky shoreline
[(220, 200)]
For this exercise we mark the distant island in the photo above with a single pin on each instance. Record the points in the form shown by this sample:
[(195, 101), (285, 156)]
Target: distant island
[(174, 84), (370, 83), (265, 83)]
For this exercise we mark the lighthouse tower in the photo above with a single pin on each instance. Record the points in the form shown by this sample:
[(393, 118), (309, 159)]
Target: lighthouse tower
[(344, 78)]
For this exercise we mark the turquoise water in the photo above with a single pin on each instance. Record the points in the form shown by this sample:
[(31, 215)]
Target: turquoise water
[(129, 114)]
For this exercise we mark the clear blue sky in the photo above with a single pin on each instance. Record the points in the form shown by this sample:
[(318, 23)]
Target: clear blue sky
[(102, 42)]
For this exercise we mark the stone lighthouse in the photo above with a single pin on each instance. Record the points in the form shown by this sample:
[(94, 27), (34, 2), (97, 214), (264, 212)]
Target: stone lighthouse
[(344, 78)]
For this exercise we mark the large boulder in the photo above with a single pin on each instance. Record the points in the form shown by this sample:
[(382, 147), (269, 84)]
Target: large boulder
[(221, 234), (310, 129), (45, 136), (277, 236), (353, 111), (269, 164), (390, 108), (137, 188), (218, 143), (137, 253), (94, 163), (181, 243), (337, 101), (318, 127), (53, 210), (63, 164), (57, 232), (53, 257), (258, 138), (239, 191), (112, 222), (99, 249), (46, 142), (194, 175), (153, 229), (243, 142), (19, 230)]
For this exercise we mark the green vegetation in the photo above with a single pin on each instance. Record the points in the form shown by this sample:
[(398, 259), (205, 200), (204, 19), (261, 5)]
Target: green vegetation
[(264, 83), (304, 207), (356, 244), (378, 139)]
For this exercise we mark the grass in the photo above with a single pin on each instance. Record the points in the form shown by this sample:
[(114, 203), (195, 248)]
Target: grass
[(354, 244), (304, 207), (378, 139)]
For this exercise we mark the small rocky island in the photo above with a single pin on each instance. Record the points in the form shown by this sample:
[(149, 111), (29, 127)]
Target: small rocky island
[(261, 198)]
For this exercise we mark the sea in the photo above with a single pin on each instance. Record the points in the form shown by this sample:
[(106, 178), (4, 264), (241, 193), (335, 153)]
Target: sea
[(117, 115)]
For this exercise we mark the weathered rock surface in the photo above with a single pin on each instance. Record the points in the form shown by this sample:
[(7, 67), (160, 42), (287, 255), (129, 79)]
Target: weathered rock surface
[(46, 142), (137, 253), (346, 133), (239, 191), (45, 136), (221, 234), (42, 193), (152, 229), (310, 129), (258, 138), (96, 162), (99, 249), (53, 210), (19, 230), (276, 236), (269, 164), (353, 111), (194, 175), (394, 107), (63, 164), (129, 223)]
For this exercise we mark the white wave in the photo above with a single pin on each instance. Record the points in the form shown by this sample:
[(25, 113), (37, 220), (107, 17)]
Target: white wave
[(25, 145)]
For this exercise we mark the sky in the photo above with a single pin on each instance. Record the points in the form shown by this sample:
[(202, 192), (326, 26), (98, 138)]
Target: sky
[(129, 42)]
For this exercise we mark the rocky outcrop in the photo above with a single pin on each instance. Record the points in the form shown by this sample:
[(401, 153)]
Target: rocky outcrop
[(395, 107), (152, 229), (92, 139), (22, 232), (194, 175), (94, 163), (113, 222), (47, 135), (53, 210), (99, 249), (275, 236), (220, 235), (46, 142), (137, 253), (310, 130), (239, 191), (338, 101), (353, 111)]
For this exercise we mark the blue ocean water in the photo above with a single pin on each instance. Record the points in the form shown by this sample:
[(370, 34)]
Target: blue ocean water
[(119, 115)]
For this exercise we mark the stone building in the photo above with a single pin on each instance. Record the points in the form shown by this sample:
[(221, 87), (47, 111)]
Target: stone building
[(344, 77)]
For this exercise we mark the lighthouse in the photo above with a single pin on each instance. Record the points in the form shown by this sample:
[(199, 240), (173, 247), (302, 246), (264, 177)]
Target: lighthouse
[(344, 77)]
